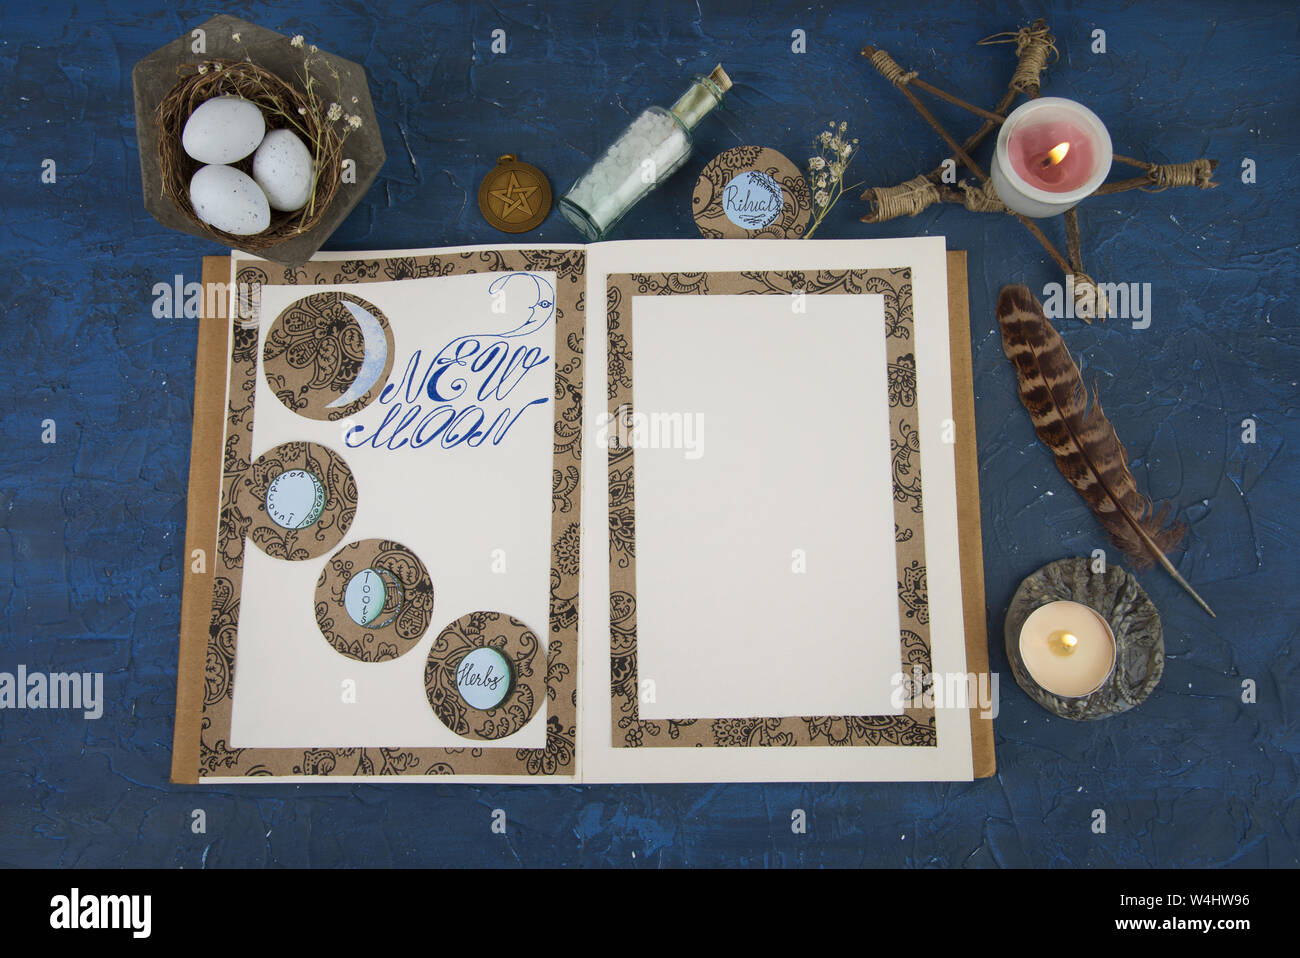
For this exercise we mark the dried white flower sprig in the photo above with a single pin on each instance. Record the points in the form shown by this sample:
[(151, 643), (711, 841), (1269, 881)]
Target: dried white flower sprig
[(826, 170), (331, 113), (334, 112)]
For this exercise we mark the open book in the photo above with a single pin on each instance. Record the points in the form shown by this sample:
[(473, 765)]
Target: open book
[(629, 512)]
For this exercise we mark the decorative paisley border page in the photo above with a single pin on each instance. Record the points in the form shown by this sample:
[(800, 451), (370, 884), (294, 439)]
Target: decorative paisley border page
[(943, 755), (748, 634), (553, 671)]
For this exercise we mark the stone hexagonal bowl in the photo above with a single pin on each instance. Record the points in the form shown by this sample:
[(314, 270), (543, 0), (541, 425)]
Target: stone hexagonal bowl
[(156, 74)]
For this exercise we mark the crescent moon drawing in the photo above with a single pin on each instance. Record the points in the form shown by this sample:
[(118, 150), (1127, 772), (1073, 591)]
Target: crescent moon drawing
[(544, 300), (372, 367)]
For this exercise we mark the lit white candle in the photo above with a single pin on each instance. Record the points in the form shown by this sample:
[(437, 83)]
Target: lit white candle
[(1050, 154), (1068, 648)]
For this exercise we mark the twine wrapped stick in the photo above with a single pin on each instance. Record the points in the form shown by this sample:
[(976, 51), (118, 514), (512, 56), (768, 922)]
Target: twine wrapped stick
[(1159, 177), (921, 192), (1035, 46)]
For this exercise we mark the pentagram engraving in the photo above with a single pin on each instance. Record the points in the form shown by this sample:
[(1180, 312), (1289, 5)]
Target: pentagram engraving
[(514, 197)]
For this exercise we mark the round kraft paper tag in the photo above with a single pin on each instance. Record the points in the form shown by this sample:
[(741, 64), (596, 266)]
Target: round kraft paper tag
[(751, 192), (374, 600), (485, 675)]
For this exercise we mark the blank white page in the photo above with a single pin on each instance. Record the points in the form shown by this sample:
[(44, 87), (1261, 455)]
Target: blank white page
[(766, 577)]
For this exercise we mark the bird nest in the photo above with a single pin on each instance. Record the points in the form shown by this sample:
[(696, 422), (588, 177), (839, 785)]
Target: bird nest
[(283, 107)]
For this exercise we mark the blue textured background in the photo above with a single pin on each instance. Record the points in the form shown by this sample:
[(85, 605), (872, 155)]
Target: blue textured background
[(91, 550)]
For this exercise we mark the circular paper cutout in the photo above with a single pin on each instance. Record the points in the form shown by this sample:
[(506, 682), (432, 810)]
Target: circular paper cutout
[(752, 200), (751, 192), (483, 678), (295, 499), (306, 498), (328, 355), (373, 597), (383, 583), (514, 644)]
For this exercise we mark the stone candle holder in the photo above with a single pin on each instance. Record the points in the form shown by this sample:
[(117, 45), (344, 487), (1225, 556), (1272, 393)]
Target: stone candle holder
[(1116, 596)]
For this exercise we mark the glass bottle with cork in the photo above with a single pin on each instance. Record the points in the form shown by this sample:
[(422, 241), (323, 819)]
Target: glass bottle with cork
[(654, 145)]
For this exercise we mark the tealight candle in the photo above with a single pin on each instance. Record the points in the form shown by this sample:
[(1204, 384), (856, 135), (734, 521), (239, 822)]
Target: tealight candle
[(1068, 648), (1050, 154)]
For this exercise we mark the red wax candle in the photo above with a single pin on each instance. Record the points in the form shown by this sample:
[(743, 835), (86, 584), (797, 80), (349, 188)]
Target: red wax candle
[(1055, 155), (1050, 154)]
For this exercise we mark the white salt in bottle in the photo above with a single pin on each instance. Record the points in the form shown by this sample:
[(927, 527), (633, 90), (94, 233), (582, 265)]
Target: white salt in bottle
[(650, 149)]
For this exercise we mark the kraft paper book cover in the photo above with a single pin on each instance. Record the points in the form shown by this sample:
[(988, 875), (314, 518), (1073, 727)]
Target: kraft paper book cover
[(627, 512)]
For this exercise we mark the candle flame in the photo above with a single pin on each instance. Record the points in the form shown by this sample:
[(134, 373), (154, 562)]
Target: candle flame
[(1062, 642), (1056, 154)]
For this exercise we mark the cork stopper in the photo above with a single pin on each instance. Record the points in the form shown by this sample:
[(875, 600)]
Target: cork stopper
[(705, 94)]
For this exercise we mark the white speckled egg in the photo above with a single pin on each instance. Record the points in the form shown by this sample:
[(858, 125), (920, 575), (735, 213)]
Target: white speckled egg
[(223, 130), (282, 168), (229, 200)]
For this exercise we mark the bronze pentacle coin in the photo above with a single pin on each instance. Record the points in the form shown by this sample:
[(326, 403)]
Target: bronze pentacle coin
[(514, 197)]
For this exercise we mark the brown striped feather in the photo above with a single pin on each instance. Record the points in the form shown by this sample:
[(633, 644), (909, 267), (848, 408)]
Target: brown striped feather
[(1087, 450)]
